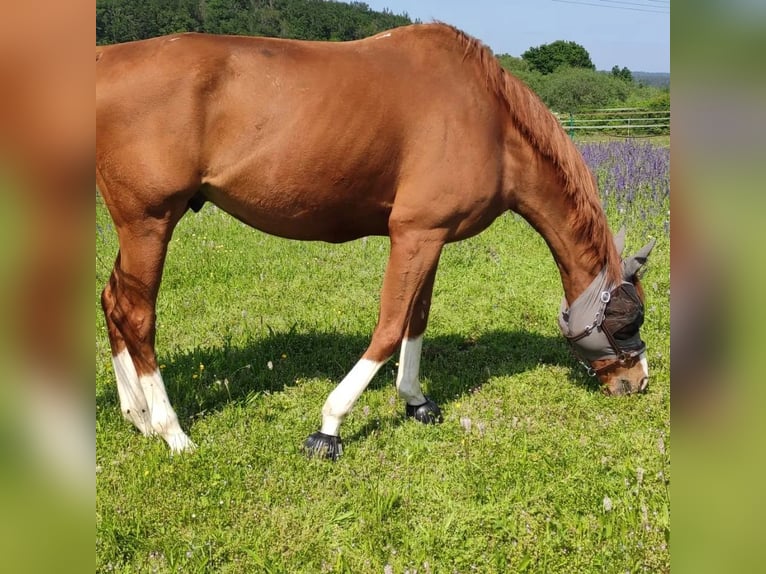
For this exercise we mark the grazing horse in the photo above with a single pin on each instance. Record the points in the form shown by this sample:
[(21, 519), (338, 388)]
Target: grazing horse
[(416, 133)]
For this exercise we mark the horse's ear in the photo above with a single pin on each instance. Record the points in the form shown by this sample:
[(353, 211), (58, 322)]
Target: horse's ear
[(632, 264), (619, 240)]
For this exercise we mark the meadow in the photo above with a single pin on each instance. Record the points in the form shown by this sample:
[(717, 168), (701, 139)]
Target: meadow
[(532, 470)]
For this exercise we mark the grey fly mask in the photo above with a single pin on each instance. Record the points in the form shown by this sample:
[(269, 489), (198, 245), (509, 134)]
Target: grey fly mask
[(603, 322)]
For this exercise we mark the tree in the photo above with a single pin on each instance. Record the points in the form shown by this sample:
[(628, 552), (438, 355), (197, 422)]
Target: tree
[(226, 16), (576, 89), (660, 101), (522, 70), (125, 20), (512, 63), (624, 74), (547, 58)]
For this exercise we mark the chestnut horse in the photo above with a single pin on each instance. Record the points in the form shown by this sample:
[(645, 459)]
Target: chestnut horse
[(416, 133)]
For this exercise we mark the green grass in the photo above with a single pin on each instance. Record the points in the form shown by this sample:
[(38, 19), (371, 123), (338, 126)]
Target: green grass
[(255, 331)]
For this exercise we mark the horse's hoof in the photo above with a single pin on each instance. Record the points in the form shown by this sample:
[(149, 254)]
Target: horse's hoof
[(428, 413), (323, 446)]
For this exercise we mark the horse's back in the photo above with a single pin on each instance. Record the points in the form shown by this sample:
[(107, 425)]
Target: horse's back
[(332, 130)]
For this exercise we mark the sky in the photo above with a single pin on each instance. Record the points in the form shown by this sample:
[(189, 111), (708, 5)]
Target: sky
[(627, 33)]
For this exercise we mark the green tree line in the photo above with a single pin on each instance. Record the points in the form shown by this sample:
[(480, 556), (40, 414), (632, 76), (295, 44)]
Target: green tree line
[(126, 20), (560, 72), (564, 76)]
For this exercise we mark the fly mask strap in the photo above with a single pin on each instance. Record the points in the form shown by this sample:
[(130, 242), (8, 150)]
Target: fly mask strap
[(581, 324)]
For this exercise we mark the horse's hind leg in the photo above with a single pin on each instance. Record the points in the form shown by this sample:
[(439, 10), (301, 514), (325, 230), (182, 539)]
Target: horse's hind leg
[(129, 304), (411, 267)]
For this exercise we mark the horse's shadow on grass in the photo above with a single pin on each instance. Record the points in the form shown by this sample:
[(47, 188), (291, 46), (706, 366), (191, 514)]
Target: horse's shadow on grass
[(204, 380)]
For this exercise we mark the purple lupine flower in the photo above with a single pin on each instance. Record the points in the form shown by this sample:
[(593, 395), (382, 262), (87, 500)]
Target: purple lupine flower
[(633, 177)]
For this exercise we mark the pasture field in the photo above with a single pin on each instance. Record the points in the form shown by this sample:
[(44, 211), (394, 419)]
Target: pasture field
[(532, 470)]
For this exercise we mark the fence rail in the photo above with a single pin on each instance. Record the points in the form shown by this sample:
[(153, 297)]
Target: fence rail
[(628, 122)]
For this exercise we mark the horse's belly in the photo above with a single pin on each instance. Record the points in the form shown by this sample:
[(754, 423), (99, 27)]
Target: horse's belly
[(307, 216)]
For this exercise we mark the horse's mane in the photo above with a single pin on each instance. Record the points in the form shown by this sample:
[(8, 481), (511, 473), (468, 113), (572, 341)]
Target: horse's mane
[(544, 132)]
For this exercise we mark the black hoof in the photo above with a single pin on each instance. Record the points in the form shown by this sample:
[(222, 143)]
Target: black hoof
[(323, 446), (428, 413)]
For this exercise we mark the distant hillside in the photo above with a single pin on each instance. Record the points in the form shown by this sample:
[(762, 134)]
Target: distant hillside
[(125, 20), (658, 79)]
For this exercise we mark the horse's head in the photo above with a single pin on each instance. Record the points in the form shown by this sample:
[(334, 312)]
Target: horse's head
[(603, 327)]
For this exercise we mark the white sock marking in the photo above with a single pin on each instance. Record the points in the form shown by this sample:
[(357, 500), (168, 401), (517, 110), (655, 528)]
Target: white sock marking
[(132, 401), (407, 383), (343, 397), (645, 365), (164, 421)]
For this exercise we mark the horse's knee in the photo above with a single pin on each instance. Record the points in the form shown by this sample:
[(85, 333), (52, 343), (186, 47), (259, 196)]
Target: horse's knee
[(142, 324), (131, 312)]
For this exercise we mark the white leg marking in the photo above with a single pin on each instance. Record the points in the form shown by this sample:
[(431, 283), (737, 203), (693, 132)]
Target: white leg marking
[(645, 365), (343, 397), (132, 400), (164, 421), (407, 383)]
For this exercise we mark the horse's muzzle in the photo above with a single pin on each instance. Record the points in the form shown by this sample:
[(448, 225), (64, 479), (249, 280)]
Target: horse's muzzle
[(622, 386)]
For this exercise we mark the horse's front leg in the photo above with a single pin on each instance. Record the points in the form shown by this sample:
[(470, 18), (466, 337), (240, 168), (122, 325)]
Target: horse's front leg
[(326, 442), (411, 267)]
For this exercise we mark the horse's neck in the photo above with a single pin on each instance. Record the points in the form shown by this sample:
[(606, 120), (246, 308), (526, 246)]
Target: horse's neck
[(569, 254), (544, 205)]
